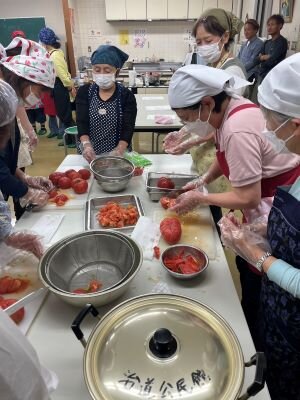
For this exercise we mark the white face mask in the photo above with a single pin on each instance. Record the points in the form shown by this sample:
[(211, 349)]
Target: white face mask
[(198, 127), (31, 99), (104, 81), (278, 144), (210, 52)]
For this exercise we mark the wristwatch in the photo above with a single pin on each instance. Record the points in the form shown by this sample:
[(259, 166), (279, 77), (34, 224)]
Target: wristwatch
[(262, 259)]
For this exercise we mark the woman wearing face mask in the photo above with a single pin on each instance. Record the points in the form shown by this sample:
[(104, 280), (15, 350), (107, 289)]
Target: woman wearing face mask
[(106, 110), (244, 155), (29, 74), (279, 316), (64, 86)]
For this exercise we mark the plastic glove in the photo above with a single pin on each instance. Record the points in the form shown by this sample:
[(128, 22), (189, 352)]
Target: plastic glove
[(179, 142), (39, 182), (188, 201), (32, 140), (117, 151), (197, 183), (26, 241), (34, 196), (242, 240), (88, 152)]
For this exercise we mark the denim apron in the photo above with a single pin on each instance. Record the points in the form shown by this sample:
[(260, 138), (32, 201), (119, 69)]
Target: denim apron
[(280, 311)]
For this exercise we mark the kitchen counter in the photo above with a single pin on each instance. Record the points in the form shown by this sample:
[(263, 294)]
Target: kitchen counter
[(50, 333)]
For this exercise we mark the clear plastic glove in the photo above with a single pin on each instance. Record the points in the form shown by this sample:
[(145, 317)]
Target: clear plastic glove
[(197, 183), (188, 201), (239, 238), (117, 151), (34, 196), (88, 152), (177, 143), (26, 241), (39, 182), (32, 140)]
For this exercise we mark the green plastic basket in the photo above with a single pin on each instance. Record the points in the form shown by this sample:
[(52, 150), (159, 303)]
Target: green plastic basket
[(72, 130)]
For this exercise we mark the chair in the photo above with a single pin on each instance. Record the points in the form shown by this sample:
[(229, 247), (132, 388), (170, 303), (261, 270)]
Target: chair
[(72, 130)]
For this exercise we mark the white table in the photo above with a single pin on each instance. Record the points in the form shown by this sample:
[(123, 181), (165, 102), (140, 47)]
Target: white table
[(50, 333), (149, 105)]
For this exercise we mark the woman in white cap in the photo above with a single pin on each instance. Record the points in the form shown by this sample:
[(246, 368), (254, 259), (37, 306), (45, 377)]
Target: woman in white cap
[(203, 97), (279, 317), (30, 74), (106, 110)]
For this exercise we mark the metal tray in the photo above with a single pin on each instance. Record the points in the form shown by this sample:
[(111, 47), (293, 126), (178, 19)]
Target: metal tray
[(93, 206), (155, 193)]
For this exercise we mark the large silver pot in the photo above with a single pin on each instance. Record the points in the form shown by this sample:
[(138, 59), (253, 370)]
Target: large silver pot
[(164, 347), (109, 256)]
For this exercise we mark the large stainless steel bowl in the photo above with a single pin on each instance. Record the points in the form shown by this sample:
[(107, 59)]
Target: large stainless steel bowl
[(112, 173), (73, 262)]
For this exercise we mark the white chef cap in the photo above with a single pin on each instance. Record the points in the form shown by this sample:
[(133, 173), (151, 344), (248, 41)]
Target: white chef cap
[(191, 83), (280, 90), (8, 103)]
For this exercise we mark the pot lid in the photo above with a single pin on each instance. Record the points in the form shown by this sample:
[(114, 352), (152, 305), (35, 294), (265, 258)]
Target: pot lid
[(163, 347)]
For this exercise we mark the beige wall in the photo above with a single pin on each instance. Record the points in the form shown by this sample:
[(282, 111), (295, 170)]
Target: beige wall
[(50, 9)]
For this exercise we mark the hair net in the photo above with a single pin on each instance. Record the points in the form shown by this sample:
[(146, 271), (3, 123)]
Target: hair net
[(106, 54), (280, 90), (33, 63), (8, 103), (47, 36), (191, 83)]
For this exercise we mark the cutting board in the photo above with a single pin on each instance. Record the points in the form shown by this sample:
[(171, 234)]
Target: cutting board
[(197, 230), (76, 200)]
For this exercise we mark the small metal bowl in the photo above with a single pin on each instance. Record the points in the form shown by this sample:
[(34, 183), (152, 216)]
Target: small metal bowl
[(112, 173), (188, 250)]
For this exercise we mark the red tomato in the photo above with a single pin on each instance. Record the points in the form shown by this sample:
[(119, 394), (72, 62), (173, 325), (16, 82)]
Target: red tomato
[(69, 171), (138, 171), (53, 193), (170, 229), (80, 186), (64, 183), (55, 176), (73, 175), (166, 202), (61, 199), (165, 183), (16, 316), (85, 174), (76, 180)]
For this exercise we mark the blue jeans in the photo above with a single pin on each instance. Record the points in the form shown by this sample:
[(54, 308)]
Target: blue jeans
[(54, 127)]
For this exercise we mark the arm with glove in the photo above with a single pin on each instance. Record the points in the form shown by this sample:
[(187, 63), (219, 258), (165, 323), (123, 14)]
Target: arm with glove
[(35, 182), (178, 142)]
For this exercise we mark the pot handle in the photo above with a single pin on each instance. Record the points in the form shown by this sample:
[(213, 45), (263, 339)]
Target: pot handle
[(89, 308), (259, 360)]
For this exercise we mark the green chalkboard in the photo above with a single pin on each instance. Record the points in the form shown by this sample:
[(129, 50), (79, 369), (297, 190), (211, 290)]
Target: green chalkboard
[(31, 27)]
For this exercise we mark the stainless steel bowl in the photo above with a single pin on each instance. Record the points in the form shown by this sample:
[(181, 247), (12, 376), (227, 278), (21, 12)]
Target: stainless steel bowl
[(76, 259), (188, 250), (112, 173)]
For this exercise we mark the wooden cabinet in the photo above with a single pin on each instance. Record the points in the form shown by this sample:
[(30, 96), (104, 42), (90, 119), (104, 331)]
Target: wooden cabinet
[(136, 10), (195, 9), (225, 4), (157, 9), (115, 10), (177, 9), (207, 4)]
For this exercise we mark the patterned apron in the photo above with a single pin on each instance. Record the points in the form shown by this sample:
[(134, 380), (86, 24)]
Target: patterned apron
[(279, 317), (104, 120)]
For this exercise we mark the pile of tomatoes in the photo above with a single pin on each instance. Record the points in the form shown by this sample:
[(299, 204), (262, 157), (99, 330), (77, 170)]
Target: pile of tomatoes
[(113, 215), (9, 285), (70, 179)]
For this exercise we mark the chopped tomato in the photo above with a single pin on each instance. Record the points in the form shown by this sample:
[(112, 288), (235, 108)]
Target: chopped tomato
[(184, 263), (113, 215), (94, 286), (138, 171), (16, 316), (166, 202), (53, 193), (156, 251), (8, 284), (61, 199)]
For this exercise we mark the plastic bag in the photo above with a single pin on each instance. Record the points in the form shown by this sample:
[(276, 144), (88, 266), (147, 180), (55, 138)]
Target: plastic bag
[(137, 159), (21, 375), (147, 234)]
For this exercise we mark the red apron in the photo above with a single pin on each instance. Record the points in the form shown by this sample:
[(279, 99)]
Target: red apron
[(268, 185)]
